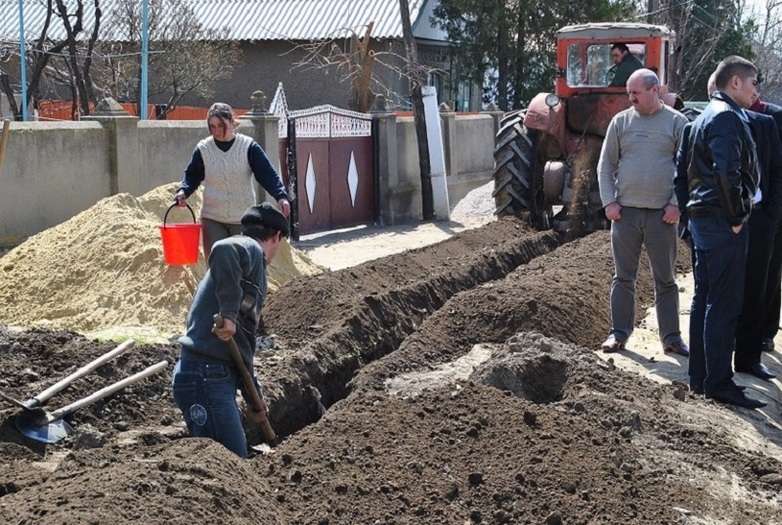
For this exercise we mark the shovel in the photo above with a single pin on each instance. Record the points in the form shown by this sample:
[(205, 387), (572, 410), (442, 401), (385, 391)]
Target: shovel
[(38, 400), (32, 405), (249, 384), (49, 427)]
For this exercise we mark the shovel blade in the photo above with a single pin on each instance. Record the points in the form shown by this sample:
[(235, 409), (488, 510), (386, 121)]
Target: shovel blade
[(37, 427)]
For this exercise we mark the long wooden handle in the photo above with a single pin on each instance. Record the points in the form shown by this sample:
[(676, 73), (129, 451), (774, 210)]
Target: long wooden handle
[(39, 399), (107, 391), (249, 384)]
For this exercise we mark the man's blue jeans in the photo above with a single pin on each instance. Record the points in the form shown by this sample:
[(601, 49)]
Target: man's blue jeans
[(206, 395), (720, 259)]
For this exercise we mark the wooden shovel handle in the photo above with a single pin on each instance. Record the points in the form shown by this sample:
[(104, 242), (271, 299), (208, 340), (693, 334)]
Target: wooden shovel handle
[(39, 399), (249, 384), (104, 392)]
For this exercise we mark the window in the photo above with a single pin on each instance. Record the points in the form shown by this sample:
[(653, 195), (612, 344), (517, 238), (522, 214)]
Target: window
[(590, 65)]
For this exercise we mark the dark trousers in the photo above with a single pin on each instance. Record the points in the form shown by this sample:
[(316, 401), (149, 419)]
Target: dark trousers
[(749, 334), (774, 288), (720, 264)]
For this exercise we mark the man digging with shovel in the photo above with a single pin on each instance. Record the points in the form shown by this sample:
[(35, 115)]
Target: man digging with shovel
[(217, 349)]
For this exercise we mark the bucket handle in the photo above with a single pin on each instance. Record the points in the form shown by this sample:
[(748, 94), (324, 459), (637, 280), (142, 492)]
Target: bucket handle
[(173, 205)]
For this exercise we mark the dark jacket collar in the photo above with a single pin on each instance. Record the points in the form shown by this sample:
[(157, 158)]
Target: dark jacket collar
[(719, 95)]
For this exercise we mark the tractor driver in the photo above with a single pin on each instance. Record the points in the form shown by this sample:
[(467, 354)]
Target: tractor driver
[(625, 63)]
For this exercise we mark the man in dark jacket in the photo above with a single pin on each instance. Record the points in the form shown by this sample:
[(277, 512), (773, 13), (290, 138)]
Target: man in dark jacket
[(625, 64), (762, 232), (234, 286), (774, 280), (723, 179)]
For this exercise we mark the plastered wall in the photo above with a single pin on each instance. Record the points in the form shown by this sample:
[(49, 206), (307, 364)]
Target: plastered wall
[(51, 171)]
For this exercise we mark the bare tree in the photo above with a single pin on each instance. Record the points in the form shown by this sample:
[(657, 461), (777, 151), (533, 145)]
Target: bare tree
[(356, 64), (353, 60), (417, 81), (707, 32), (184, 58), (77, 62), (767, 43), (40, 56)]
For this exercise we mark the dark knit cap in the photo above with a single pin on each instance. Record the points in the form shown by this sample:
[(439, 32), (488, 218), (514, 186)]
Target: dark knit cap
[(265, 214)]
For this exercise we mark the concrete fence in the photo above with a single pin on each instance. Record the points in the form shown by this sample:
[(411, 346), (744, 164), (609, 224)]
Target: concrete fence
[(52, 171)]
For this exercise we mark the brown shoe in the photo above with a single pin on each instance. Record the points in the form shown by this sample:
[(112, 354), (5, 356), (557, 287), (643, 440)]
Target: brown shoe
[(678, 348), (612, 344)]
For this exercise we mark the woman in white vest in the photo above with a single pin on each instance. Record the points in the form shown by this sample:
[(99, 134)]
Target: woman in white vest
[(226, 162)]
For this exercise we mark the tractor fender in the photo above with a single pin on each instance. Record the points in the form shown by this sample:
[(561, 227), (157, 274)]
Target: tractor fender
[(544, 118)]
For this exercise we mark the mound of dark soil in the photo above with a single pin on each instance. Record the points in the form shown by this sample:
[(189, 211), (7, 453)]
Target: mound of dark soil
[(460, 387)]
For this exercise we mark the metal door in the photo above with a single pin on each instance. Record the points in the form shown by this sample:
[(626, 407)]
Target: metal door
[(334, 167)]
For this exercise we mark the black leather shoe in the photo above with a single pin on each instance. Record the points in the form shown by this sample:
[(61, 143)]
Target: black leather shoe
[(698, 390), (758, 370), (738, 398), (768, 345), (678, 348)]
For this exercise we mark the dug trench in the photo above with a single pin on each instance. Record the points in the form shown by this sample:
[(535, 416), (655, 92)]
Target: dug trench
[(459, 384)]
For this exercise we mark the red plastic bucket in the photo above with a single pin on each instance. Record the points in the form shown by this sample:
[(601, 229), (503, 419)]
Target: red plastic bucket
[(180, 241)]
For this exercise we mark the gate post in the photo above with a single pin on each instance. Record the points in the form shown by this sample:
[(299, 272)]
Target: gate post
[(386, 159), (123, 146), (265, 132), (436, 154), (450, 142), (293, 178)]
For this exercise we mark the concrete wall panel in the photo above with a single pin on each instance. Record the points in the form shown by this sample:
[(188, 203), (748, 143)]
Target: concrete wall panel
[(51, 171), (165, 147), (55, 170)]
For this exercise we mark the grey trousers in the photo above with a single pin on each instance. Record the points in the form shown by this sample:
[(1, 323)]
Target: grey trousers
[(213, 231), (641, 227)]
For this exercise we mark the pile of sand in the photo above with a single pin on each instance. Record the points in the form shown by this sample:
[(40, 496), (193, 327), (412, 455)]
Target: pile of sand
[(103, 273)]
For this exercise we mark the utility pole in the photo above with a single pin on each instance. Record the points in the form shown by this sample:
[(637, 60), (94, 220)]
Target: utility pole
[(23, 57), (416, 83), (144, 59)]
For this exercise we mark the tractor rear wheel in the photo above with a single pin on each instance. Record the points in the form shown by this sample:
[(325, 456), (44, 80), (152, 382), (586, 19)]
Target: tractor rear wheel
[(518, 177)]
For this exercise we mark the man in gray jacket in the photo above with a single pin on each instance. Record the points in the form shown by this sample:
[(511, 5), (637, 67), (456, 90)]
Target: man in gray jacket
[(205, 378), (635, 174)]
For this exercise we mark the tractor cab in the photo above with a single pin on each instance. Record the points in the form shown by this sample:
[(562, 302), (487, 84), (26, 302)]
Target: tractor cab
[(546, 154), (584, 62)]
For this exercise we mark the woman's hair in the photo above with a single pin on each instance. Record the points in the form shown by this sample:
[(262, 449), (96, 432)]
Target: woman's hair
[(222, 111)]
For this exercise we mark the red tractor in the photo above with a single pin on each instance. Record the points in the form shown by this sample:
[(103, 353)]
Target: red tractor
[(546, 155)]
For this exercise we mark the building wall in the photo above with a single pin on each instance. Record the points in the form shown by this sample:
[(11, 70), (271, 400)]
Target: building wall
[(265, 64), (52, 171)]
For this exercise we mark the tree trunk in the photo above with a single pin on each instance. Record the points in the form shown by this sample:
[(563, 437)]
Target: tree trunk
[(9, 92), (416, 83)]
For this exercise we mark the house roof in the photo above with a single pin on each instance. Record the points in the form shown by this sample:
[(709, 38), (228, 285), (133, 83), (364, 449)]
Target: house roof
[(251, 19)]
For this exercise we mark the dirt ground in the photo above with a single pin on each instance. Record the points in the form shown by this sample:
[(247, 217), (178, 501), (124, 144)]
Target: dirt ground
[(451, 383)]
